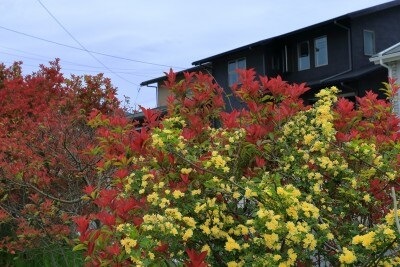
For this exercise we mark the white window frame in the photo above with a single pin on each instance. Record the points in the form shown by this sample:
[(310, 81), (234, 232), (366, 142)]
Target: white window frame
[(321, 53), (303, 62), (233, 66), (369, 42)]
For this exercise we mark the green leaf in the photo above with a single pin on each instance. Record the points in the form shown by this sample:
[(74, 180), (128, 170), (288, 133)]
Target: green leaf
[(209, 184), (79, 247)]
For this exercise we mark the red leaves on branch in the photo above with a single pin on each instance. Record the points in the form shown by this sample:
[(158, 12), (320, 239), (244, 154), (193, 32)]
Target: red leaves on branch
[(151, 116), (43, 141), (106, 218), (196, 259), (371, 118), (82, 223), (139, 139), (268, 103), (123, 206), (106, 197), (114, 249)]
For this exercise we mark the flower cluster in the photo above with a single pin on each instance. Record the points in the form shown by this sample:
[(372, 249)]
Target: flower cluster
[(279, 184)]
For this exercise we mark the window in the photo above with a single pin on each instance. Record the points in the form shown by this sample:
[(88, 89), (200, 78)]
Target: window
[(233, 66), (303, 51), (321, 51), (280, 60), (369, 43)]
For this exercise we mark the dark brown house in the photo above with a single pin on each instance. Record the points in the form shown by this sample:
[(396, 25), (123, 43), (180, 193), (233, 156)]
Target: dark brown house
[(333, 52)]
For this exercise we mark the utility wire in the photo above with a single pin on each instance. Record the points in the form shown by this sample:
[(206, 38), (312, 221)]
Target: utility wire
[(93, 68), (81, 45), (119, 70), (93, 52)]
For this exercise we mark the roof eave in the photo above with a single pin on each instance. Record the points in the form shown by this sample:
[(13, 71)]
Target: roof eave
[(350, 15), (266, 41)]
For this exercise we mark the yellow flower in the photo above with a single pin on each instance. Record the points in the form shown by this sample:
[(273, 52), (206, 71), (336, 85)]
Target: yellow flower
[(205, 228), (249, 193), (308, 138), (270, 240), (196, 192), (189, 221), (174, 231), (186, 170), (206, 248), (390, 233), (152, 198), (231, 244), (366, 240), (292, 255), (174, 213), (309, 242), (272, 225), (151, 255), (367, 198), (177, 194), (323, 226), (236, 195), (310, 210), (199, 207), (164, 202), (277, 257), (188, 234), (128, 244), (329, 236), (347, 256), (120, 227)]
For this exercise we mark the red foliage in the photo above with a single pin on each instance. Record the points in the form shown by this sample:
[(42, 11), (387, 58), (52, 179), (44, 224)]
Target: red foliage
[(196, 259), (372, 118), (43, 139), (268, 103)]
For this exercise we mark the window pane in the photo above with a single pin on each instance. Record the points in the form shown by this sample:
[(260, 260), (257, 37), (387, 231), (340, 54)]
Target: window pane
[(241, 64), (321, 51), (369, 43), (304, 63), (232, 79), (303, 56), (304, 49), (231, 66)]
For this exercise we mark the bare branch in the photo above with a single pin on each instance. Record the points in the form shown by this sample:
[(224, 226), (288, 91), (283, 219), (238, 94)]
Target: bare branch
[(396, 216)]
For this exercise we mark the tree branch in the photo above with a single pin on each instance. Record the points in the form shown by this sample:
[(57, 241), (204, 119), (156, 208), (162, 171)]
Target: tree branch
[(72, 201), (396, 216)]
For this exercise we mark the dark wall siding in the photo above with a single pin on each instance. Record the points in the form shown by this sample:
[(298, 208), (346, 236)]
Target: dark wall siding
[(338, 59), (254, 59), (220, 73), (266, 58), (385, 24)]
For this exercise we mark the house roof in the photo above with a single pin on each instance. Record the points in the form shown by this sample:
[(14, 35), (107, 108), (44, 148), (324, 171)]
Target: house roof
[(162, 78), (139, 115), (348, 76), (389, 54), (351, 15)]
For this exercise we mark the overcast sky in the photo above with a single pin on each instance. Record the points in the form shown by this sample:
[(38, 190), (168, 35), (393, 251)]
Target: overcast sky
[(142, 39)]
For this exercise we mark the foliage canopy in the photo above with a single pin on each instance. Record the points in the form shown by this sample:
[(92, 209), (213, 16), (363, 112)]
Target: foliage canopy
[(276, 184)]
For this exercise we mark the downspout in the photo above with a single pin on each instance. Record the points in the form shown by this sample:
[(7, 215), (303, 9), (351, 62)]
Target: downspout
[(350, 54), (385, 65)]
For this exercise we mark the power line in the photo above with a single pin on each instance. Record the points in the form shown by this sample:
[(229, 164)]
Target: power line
[(81, 45), (94, 52), (119, 70)]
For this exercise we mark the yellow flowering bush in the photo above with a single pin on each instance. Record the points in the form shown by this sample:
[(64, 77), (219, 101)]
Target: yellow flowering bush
[(277, 183)]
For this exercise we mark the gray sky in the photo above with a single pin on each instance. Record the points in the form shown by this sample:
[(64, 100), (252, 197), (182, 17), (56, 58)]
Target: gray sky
[(147, 37)]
